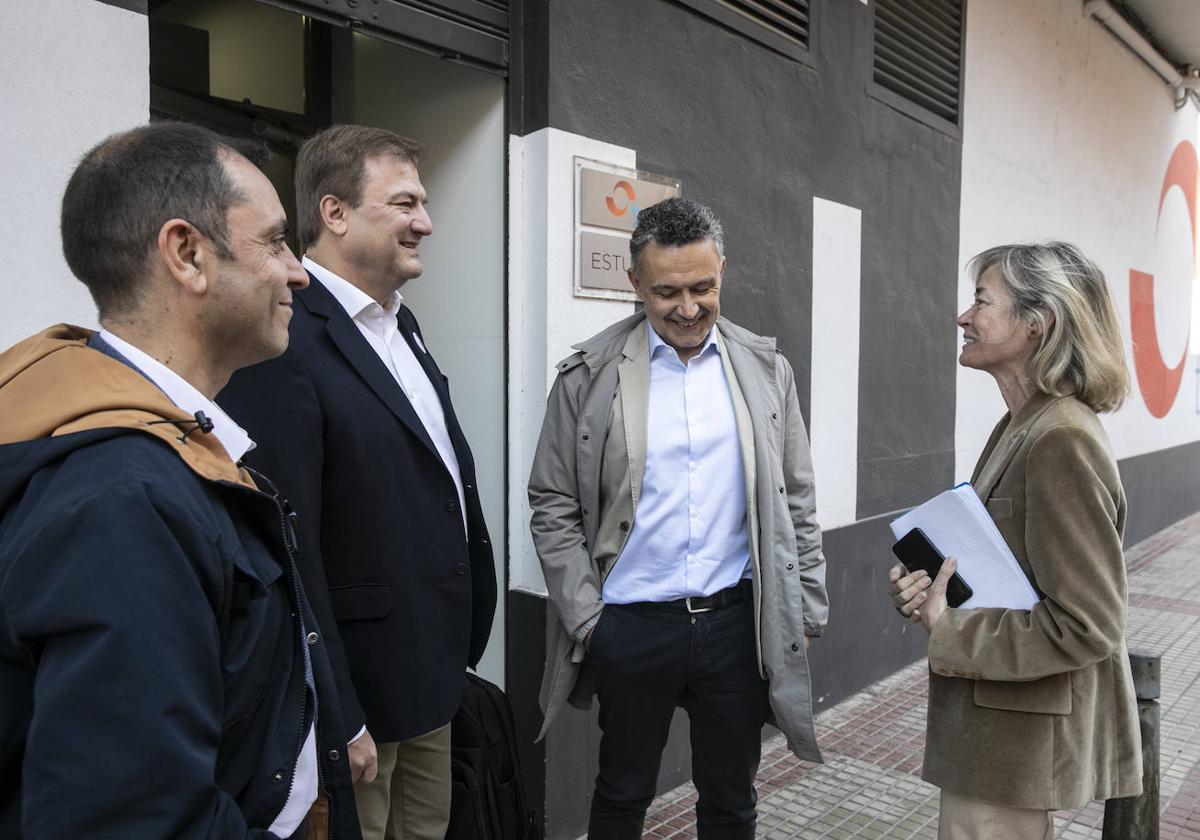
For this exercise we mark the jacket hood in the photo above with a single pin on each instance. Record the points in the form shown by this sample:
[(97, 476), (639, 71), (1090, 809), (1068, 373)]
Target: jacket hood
[(57, 394)]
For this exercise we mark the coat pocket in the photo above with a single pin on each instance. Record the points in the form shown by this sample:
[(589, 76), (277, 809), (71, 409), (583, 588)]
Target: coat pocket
[(361, 602), (1048, 696), (256, 569)]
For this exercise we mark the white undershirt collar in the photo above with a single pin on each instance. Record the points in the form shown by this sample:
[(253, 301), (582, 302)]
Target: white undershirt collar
[(181, 392)]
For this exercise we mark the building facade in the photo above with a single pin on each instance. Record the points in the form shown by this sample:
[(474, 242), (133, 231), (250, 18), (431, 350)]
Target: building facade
[(858, 152)]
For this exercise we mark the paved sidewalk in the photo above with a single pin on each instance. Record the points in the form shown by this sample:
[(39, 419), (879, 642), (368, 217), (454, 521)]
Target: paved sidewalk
[(870, 785)]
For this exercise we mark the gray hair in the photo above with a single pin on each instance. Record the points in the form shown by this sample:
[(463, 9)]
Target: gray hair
[(675, 221), (128, 186), (1055, 286)]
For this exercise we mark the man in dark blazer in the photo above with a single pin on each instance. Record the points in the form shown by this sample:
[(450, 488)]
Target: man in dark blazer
[(355, 424)]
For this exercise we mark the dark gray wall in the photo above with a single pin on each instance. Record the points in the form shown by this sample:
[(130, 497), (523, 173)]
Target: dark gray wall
[(1161, 488), (757, 136)]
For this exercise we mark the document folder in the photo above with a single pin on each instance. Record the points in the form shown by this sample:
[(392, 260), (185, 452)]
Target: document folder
[(959, 525)]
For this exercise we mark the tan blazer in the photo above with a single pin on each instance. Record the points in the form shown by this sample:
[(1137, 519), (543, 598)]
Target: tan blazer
[(1036, 709)]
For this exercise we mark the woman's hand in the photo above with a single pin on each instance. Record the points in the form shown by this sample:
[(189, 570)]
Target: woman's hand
[(918, 598)]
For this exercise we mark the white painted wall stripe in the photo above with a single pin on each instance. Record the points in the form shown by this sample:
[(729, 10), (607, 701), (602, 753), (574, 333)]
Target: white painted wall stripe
[(837, 269)]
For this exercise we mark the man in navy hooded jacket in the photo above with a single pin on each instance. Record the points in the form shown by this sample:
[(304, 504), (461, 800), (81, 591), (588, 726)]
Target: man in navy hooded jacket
[(161, 673)]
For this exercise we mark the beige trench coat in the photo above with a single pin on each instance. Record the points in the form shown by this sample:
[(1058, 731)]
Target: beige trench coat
[(1035, 709), (584, 487)]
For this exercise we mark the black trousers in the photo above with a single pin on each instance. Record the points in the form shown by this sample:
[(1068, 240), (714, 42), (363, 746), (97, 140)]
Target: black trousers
[(649, 659)]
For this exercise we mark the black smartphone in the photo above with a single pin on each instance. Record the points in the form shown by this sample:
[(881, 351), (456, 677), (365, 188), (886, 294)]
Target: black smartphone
[(915, 551)]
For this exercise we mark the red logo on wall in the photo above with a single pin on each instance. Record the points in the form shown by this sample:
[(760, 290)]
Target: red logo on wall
[(613, 207), (1158, 383)]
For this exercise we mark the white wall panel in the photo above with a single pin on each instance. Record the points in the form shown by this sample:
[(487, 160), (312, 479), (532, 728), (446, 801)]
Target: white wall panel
[(837, 265), (73, 72), (545, 317)]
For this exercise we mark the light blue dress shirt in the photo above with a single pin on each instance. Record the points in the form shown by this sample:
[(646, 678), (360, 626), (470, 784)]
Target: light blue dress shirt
[(689, 534)]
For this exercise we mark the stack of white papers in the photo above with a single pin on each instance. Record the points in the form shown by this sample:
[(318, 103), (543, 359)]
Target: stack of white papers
[(957, 523)]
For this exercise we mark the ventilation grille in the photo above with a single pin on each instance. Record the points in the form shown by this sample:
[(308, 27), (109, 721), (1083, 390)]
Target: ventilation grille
[(781, 25), (918, 52)]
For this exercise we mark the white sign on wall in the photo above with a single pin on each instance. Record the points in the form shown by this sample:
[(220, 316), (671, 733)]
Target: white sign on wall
[(607, 201)]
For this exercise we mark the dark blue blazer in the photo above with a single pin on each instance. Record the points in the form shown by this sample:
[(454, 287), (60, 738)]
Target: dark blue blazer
[(405, 598)]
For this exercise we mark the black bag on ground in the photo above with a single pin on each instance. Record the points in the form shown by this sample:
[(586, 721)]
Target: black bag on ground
[(487, 789)]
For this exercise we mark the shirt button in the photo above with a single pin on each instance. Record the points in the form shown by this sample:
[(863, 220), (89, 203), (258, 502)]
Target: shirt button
[(452, 506), (334, 755), (312, 638), (460, 569)]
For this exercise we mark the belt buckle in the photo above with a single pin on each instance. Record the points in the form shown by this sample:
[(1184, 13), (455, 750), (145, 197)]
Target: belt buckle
[(688, 603)]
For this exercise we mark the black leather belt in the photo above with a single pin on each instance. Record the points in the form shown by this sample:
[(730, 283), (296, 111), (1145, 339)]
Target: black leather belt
[(735, 594)]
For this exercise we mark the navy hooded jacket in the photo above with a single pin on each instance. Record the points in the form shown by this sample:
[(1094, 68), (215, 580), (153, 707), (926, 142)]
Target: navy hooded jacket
[(152, 679)]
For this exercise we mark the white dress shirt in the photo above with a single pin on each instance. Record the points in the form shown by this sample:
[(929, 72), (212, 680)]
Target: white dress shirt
[(381, 330), (689, 533), (237, 443), (181, 392)]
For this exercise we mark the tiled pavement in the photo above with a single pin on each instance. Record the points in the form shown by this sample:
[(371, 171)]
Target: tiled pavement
[(870, 785)]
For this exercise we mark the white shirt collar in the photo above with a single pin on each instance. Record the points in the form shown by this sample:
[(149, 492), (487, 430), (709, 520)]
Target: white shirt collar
[(657, 342), (181, 392), (354, 300)]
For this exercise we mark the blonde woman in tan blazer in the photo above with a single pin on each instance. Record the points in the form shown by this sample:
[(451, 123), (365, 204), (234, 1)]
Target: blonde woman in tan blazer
[(1033, 711)]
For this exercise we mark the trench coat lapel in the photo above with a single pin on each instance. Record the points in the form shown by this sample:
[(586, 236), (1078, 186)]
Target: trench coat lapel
[(745, 431), (634, 375)]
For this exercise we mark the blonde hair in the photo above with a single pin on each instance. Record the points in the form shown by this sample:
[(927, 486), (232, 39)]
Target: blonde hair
[(1055, 286)]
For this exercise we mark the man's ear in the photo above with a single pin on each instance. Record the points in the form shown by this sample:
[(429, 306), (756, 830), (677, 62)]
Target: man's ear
[(722, 274), (333, 214), (633, 280), (182, 248)]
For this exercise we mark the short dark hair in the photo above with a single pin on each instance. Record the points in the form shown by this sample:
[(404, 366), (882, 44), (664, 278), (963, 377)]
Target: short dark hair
[(128, 186), (333, 162), (675, 221)]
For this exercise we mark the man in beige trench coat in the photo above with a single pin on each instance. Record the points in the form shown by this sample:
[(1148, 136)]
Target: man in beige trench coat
[(673, 514)]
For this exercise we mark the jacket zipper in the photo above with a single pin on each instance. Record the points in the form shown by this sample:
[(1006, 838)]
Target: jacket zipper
[(287, 535)]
